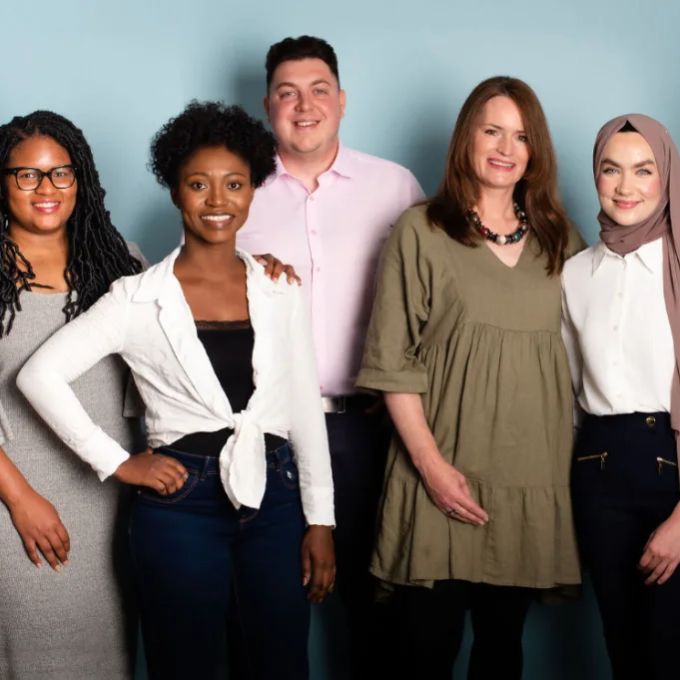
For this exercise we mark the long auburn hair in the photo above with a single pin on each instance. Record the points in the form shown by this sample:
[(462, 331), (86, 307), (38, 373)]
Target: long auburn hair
[(536, 193)]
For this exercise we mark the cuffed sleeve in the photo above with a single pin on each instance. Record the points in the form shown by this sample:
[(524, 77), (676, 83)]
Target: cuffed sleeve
[(391, 360), (308, 426), (45, 380), (6, 433)]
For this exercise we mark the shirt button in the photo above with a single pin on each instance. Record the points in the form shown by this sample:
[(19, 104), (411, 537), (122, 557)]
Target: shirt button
[(313, 232), (317, 269), (311, 198), (616, 328), (651, 421)]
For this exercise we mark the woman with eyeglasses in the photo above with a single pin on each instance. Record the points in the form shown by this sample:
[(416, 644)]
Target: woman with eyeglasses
[(59, 253)]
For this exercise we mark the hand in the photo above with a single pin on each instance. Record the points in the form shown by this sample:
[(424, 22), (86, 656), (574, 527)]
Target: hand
[(318, 562), (161, 473), (449, 491), (273, 268), (661, 555), (41, 529)]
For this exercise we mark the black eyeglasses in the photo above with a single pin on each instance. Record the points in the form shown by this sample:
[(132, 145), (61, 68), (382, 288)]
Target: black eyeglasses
[(29, 179)]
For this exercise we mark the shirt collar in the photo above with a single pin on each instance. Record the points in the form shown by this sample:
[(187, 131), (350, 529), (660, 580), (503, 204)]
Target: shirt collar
[(342, 165), (649, 255)]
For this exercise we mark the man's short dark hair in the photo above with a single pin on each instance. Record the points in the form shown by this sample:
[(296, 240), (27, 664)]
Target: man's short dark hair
[(295, 49)]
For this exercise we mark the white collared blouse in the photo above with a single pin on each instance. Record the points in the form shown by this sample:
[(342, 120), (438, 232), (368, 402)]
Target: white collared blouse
[(146, 319), (616, 330)]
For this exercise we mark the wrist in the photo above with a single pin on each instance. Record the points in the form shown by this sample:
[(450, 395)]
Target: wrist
[(15, 496)]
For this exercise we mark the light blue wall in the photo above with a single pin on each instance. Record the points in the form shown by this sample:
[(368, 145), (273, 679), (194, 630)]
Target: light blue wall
[(120, 69)]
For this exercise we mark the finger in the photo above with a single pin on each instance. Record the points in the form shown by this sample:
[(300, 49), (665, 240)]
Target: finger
[(647, 561), (306, 567), (58, 546), (32, 551), (64, 537), (463, 515), (667, 573), (291, 275), (48, 553), (469, 508), (656, 573)]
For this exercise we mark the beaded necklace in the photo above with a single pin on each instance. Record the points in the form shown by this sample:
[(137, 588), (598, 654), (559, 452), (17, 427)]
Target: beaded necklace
[(501, 239)]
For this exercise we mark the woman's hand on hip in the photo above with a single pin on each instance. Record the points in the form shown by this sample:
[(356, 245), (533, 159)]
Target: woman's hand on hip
[(449, 491), (318, 562), (160, 473), (661, 555), (41, 529)]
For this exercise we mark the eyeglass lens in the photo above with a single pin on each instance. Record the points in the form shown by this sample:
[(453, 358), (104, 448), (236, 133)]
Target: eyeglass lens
[(29, 179)]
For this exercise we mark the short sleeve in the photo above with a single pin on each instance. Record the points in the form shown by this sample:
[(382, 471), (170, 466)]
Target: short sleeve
[(391, 360)]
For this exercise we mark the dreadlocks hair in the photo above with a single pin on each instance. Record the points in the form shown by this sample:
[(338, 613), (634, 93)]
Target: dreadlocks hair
[(97, 253)]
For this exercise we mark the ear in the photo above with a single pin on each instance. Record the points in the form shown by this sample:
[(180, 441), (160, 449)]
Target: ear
[(265, 104), (343, 101), (173, 196)]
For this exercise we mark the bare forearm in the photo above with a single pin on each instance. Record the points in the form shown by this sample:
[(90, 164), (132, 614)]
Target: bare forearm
[(12, 483), (406, 411)]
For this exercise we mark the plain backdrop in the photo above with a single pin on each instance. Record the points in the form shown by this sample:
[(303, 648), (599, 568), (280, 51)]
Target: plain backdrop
[(121, 69)]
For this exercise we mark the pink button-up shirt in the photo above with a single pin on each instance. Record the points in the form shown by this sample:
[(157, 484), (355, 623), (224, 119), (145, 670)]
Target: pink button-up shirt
[(333, 237)]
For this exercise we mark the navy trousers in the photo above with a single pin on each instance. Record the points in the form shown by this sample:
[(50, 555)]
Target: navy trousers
[(624, 484), (192, 549)]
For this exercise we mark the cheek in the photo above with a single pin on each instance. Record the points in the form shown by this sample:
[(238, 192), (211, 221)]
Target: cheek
[(651, 190), (604, 187)]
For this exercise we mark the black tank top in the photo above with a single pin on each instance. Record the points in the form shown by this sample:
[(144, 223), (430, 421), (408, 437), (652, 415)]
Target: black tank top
[(229, 345)]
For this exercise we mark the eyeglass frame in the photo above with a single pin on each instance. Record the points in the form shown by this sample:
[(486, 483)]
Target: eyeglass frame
[(43, 174)]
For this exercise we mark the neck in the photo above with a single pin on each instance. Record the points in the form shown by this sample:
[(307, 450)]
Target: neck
[(212, 260), (496, 205), (51, 245), (309, 167)]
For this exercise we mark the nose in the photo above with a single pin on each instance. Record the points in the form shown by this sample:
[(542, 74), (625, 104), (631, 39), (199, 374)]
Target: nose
[(624, 185), (505, 145), (303, 102), (217, 194), (45, 186)]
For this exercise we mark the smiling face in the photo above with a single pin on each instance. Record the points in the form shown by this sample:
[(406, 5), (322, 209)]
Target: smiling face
[(500, 152), (628, 182), (213, 193), (44, 210), (305, 105)]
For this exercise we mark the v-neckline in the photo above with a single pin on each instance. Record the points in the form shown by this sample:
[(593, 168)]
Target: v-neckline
[(519, 259)]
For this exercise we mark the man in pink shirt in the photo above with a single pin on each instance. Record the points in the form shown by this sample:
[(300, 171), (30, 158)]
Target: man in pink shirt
[(327, 210)]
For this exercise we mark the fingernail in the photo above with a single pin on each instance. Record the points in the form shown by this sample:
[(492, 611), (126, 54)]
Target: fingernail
[(57, 567)]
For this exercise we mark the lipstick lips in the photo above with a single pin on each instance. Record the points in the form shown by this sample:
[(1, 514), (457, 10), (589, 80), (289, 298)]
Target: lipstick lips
[(47, 207), (626, 205), (501, 165)]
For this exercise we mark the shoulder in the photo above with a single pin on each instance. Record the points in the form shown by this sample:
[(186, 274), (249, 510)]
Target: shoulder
[(386, 171), (276, 290), (578, 268)]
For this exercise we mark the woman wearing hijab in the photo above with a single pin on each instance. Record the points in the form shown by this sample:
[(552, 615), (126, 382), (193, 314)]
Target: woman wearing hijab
[(621, 325)]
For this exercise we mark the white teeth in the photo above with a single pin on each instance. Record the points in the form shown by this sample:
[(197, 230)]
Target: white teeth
[(503, 165), (217, 218), (305, 123), (50, 204)]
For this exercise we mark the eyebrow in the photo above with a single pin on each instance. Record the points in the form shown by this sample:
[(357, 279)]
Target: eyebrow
[(207, 174), (287, 83), (609, 161)]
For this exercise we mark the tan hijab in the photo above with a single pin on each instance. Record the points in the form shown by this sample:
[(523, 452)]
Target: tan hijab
[(663, 222)]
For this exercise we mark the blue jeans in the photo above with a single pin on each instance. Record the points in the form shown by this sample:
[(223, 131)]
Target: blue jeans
[(191, 548)]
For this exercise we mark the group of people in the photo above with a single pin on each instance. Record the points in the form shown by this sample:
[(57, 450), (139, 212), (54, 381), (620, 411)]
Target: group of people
[(245, 412)]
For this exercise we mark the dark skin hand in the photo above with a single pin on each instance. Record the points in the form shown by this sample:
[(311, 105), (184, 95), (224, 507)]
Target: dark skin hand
[(318, 562), (161, 473), (273, 268)]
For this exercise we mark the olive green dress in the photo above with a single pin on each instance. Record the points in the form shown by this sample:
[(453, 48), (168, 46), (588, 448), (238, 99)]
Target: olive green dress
[(481, 342)]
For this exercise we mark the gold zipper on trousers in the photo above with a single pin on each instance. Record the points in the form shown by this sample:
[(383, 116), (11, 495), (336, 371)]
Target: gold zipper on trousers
[(660, 462), (602, 457)]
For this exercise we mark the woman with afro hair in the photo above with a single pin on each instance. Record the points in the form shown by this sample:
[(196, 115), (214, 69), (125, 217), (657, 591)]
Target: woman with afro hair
[(59, 253), (236, 491)]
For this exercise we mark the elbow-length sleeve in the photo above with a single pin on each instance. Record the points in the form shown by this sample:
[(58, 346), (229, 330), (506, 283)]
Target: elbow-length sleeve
[(308, 426), (400, 310), (45, 380)]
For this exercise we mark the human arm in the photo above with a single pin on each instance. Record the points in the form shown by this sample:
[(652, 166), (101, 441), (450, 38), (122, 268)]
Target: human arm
[(446, 486), (36, 520), (45, 381)]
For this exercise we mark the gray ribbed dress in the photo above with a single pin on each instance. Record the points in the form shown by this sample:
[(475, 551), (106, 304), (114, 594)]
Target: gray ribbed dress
[(69, 625)]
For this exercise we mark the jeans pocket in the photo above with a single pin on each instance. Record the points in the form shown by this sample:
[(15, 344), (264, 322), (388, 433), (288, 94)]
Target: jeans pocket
[(149, 495)]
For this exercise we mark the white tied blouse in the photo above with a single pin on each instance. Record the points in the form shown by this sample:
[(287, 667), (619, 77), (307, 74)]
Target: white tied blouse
[(146, 319), (616, 330)]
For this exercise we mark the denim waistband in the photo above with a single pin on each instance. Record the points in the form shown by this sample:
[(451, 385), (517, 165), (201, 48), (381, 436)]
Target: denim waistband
[(205, 465)]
